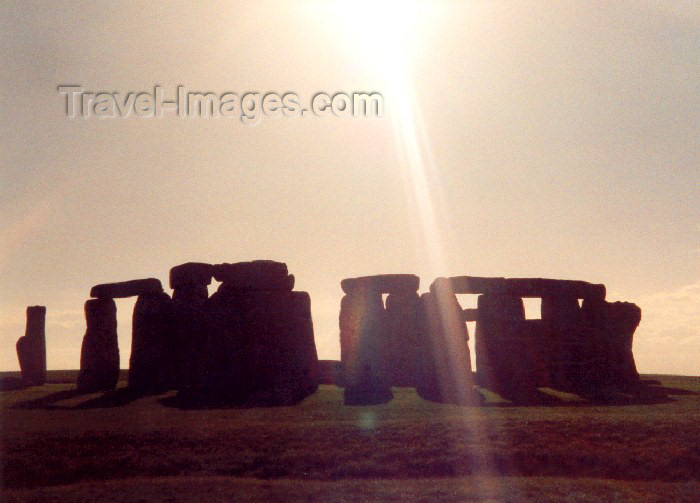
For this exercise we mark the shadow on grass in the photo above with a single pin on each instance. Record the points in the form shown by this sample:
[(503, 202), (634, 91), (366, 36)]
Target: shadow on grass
[(116, 398), (12, 383), (642, 394)]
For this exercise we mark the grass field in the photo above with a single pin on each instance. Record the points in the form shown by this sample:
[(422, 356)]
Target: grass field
[(58, 445)]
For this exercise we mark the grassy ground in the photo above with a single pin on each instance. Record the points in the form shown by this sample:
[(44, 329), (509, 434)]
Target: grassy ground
[(57, 445)]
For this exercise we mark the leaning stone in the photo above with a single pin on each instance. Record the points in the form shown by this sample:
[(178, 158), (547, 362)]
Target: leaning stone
[(127, 288), (31, 348), (255, 275), (191, 274), (383, 283), (153, 351), (362, 340), (99, 356)]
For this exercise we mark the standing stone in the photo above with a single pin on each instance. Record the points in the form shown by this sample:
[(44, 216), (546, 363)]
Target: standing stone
[(445, 367), (190, 331), (571, 348), (362, 334), (153, 351), (281, 361), (613, 325), (31, 348), (260, 347), (402, 343), (501, 342), (189, 282), (99, 357)]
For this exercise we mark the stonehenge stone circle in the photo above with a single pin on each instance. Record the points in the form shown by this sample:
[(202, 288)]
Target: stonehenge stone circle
[(31, 348)]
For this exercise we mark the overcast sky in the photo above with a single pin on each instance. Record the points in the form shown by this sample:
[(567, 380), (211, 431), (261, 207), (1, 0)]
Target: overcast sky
[(552, 139)]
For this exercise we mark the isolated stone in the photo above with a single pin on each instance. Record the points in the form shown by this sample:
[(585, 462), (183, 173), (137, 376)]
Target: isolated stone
[(31, 348), (445, 368), (255, 275), (152, 364), (126, 288), (363, 331), (99, 356), (382, 283), (191, 274)]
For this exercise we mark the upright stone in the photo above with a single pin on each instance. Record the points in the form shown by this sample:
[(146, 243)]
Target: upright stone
[(99, 357), (445, 367), (31, 348), (189, 283), (503, 344), (571, 347), (363, 331), (402, 343), (260, 347), (281, 364), (152, 365), (613, 325)]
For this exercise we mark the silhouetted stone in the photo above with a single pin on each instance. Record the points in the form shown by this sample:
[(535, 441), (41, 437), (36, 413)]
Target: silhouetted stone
[(470, 314), (191, 274), (255, 275), (523, 287), (363, 332), (382, 283), (402, 342), (153, 344), (190, 330), (329, 372), (613, 325), (31, 348), (508, 349), (99, 356), (445, 368), (261, 347), (127, 288), (570, 346)]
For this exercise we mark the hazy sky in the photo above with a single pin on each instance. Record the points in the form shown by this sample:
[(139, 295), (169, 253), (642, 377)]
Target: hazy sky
[(553, 139)]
